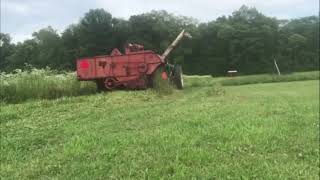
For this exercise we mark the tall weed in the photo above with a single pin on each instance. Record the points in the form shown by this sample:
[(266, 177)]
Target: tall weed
[(41, 84)]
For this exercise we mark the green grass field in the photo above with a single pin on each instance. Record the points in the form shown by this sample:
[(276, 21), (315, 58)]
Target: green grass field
[(260, 131)]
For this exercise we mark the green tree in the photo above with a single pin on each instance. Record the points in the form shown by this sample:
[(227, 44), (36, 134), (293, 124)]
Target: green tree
[(95, 33), (50, 47), (157, 29), (71, 43), (247, 41), (26, 52), (6, 50)]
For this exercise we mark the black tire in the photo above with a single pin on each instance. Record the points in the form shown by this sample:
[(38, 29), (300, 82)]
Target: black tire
[(177, 76)]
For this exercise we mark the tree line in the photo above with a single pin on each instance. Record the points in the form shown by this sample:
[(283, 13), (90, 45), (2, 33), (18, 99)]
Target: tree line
[(247, 41)]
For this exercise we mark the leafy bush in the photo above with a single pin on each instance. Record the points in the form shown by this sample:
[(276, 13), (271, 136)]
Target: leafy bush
[(254, 79), (41, 84)]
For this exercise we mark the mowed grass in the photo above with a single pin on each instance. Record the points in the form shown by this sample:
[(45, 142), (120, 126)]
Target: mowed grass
[(269, 78), (261, 131)]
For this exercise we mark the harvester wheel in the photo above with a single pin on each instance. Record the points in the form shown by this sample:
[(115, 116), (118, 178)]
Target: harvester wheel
[(109, 84), (177, 76)]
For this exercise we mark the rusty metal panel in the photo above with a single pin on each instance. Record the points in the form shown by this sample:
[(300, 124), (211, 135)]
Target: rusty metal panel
[(86, 69), (130, 70), (102, 68)]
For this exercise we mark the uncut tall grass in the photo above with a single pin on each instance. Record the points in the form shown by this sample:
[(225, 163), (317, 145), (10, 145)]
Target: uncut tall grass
[(41, 84)]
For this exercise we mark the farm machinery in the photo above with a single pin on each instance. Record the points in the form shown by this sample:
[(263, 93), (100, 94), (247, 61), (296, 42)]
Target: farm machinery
[(135, 69)]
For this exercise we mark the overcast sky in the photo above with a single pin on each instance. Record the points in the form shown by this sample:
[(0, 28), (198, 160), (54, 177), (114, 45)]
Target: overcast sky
[(20, 18)]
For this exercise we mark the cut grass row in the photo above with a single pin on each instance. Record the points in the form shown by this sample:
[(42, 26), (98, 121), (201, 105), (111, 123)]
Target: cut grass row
[(267, 78), (47, 84)]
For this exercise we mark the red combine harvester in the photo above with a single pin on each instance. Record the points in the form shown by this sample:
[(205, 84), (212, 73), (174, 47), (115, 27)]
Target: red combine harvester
[(136, 69)]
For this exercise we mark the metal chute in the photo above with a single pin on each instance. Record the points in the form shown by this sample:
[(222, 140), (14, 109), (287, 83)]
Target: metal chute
[(174, 44)]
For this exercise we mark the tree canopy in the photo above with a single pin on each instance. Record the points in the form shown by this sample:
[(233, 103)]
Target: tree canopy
[(247, 41)]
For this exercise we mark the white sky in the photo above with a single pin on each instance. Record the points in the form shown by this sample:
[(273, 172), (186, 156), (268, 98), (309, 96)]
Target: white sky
[(20, 18)]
